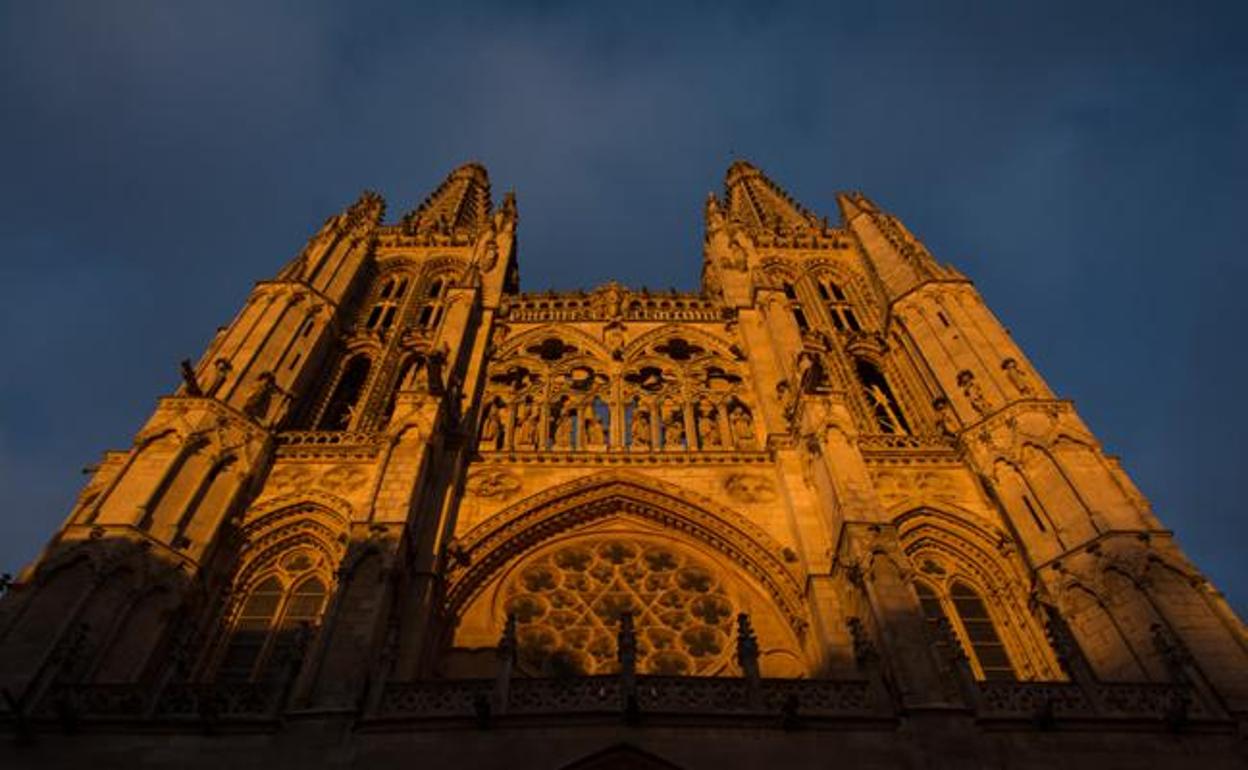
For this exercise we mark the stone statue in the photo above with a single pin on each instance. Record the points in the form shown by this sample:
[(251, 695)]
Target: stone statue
[(1017, 377), (742, 426), (640, 428), (492, 426), (972, 391), (593, 431), (563, 428), (674, 429), (526, 425), (708, 426), (260, 400), (945, 417)]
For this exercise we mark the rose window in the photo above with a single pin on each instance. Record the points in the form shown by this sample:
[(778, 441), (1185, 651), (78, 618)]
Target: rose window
[(568, 603)]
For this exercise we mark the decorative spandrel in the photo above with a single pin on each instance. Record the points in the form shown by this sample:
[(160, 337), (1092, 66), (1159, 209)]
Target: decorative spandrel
[(568, 601)]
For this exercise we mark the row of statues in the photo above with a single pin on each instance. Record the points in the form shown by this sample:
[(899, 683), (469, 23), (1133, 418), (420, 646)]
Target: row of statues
[(649, 426)]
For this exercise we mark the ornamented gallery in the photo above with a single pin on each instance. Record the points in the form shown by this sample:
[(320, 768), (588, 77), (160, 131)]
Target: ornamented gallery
[(822, 512)]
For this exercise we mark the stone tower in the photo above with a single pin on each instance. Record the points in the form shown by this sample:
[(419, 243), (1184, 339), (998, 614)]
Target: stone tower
[(401, 508)]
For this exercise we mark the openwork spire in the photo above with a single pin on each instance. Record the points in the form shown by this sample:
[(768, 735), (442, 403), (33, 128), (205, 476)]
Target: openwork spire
[(457, 211), (757, 202)]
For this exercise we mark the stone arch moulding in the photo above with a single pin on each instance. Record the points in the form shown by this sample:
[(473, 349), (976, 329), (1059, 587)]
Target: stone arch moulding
[(518, 344), (637, 348), (978, 542), (488, 548), (985, 556), (290, 521)]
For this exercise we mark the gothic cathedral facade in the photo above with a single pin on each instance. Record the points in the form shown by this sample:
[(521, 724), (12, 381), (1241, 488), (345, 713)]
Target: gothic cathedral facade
[(823, 509)]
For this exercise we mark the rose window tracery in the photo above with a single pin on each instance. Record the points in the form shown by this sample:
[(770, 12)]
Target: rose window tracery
[(568, 602)]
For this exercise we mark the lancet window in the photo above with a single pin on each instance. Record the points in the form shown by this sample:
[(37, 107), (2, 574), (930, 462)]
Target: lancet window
[(431, 302), (837, 302), (881, 402), (382, 316), (272, 624), (795, 305), (963, 609)]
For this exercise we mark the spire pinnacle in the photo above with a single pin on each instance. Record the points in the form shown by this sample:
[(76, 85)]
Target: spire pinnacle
[(759, 203), (457, 211)]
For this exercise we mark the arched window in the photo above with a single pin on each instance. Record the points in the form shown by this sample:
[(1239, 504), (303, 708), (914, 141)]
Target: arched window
[(795, 305), (431, 311), (267, 630), (978, 630), (838, 305), (341, 410), (389, 299), (880, 398), (973, 629)]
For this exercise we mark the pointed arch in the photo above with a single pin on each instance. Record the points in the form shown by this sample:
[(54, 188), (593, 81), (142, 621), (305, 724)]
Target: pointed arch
[(303, 523), (639, 346), (948, 547), (519, 529), (518, 344)]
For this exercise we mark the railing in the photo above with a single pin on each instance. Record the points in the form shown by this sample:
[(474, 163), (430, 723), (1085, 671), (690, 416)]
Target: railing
[(889, 442), (1042, 703), (324, 438), (215, 701), (245, 700), (703, 696), (1115, 700)]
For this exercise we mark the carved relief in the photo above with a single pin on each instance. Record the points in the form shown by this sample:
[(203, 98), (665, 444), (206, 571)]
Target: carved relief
[(494, 482), (749, 488), (344, 479), (895, 486)]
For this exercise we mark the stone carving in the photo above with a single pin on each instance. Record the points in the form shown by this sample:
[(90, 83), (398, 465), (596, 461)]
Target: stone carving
[(1017, 377), (708, 425), (290, 478), (640, 429), (945, 418), (492, 426), (974, 394), (674, 429), (742, 426), (494, 482), (260, 400), (344, 479), (594, 433), (895, 486), (749, 488)]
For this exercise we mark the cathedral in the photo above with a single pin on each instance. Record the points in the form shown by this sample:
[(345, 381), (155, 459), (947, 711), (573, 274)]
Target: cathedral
[(822, 512)]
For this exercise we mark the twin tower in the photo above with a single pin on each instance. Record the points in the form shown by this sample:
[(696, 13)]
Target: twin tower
[(396, 490)]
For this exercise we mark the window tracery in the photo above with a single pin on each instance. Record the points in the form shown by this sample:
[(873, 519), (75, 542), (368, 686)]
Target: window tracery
[(672, 393), (389, 301), (881, 402), (568, 602), (963, 609), (343, 408), (279, 612), (839, 308)]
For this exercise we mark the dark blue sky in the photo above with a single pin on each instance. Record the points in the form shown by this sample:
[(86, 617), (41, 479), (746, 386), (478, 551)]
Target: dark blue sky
[(1086, 163)]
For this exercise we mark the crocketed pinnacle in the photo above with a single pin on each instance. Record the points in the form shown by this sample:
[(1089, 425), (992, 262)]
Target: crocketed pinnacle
[(757, 202), (460, 204)]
